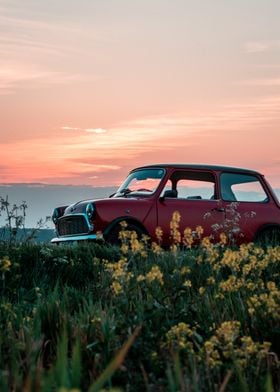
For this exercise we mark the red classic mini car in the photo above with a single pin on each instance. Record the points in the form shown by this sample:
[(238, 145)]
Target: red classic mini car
[(220, 199)]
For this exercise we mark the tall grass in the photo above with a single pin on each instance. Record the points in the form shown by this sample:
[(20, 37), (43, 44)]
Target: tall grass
[(137, 318)]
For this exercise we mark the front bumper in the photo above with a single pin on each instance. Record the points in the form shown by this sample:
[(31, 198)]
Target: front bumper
[(74, 238)]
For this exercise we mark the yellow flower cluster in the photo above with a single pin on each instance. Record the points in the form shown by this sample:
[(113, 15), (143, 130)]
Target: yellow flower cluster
[(206, 243), (154, 274), (210, 281), (245, 271), (156, 248), (223, 239), (185, 270), (174, 227), (267, 302), (130, 241), (231, 284), (116, 287), (227, 343), (187, 283), (201, 290), (231, 259), (188, 237), (179, 337), (5, 264), (95, 320), (211, 252), (120, 275), (159, 234)]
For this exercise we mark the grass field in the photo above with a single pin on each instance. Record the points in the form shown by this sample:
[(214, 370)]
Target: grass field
[(136, 318)]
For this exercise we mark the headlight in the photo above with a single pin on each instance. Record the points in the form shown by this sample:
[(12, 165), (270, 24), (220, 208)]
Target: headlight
[(55, 215), (90, 210)]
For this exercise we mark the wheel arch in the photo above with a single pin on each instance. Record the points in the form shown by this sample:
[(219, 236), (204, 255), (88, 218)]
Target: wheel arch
[(264, 228), (127, 219)]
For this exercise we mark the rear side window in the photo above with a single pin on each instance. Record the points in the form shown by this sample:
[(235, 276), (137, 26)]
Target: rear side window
[(242, 187)]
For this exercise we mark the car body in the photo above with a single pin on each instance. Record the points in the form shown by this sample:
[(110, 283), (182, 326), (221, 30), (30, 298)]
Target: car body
[(220, 199)]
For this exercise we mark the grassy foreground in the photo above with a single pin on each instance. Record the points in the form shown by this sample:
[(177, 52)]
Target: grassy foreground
[(87, 318)]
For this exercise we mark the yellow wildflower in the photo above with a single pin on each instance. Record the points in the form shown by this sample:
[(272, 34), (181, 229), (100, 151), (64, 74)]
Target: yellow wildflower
[(187, 283), (159, 234), (140, 278), (179, 336), (185, 270), (156, 248), (199, 231), (188, 237), (155, 274), (123, 224), (5, 264), (201, 290), (116, 286), (174, 227), (223, 239), (210, 280), (206, 243), (124, 248)]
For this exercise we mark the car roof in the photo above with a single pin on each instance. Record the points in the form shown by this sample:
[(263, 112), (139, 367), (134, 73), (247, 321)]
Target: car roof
[(196, 166)]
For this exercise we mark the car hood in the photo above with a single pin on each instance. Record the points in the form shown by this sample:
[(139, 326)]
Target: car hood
[(80, 206)]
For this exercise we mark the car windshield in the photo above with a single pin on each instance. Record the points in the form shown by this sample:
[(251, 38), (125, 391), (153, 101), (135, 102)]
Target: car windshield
[(143, 181)]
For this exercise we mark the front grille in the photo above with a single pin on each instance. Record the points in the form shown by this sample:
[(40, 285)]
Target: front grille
[(74, 224)]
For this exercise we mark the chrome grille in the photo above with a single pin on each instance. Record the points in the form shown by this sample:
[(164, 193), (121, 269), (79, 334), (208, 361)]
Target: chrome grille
[(74, 224)]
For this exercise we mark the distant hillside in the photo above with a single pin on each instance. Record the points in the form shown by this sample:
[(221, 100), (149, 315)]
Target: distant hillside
[(37, 236), (42, 199)]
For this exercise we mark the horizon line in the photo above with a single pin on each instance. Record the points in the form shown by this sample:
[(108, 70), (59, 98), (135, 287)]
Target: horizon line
[(42, 184)]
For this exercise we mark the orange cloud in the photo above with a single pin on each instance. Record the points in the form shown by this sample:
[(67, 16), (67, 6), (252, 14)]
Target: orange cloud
[(240, 135)]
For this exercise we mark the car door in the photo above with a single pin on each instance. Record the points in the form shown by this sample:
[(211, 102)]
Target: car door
[(193, 196), (247, 206)]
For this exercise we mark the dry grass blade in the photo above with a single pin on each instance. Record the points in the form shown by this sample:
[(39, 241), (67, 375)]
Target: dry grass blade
[(114, 364), (225, 381)]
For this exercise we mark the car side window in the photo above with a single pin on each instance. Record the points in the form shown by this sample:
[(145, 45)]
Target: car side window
[(195, 189), (190, 185), (242, 187)]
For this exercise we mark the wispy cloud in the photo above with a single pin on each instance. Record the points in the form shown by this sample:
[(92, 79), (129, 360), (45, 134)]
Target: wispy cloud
[(97, 131), (262, 46), (19, 35), (40, 51), (67, 128), (262, 82), (15, 77), (96, 168)]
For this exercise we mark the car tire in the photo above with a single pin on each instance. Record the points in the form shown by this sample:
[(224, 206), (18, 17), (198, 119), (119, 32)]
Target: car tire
[(268, 237), (113, 235)]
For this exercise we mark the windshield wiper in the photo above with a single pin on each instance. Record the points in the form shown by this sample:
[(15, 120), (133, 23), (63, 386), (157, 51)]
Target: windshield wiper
[(125, 191)]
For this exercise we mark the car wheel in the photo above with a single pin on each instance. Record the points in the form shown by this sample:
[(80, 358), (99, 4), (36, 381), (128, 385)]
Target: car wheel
[(269, 237), (113, 235)]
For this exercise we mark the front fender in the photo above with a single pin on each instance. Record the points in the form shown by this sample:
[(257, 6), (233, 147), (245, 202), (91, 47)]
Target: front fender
[(127, 219)]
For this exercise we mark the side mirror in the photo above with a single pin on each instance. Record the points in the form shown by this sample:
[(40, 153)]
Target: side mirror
[(170, 193)]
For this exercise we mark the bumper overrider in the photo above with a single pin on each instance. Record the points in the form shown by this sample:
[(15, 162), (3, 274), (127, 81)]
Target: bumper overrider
[(74, 223)]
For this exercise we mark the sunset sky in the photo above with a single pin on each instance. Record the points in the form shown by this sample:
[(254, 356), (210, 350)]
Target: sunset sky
[(90, 89)]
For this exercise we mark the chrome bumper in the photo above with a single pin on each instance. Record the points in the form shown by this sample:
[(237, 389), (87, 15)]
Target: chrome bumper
[(74, 238)]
